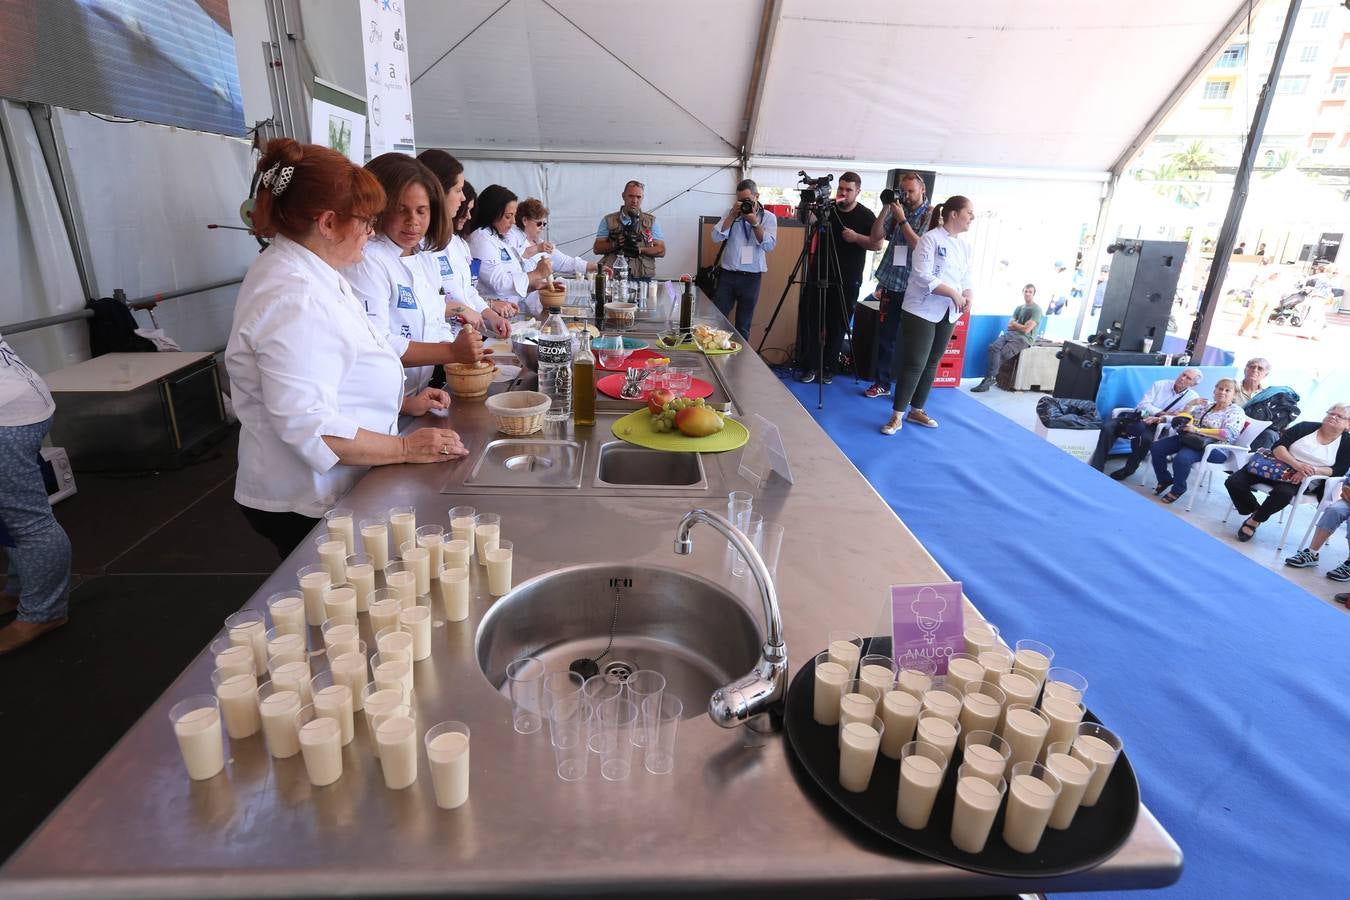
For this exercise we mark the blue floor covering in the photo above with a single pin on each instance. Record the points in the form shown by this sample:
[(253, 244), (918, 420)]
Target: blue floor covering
[(1229, 686)]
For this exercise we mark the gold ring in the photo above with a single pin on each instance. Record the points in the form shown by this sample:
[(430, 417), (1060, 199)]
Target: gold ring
[(445, 450)]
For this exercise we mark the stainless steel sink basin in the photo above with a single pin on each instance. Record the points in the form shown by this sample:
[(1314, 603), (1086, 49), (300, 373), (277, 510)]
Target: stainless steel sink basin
[(693, 632), (522, 462), (623, 465)]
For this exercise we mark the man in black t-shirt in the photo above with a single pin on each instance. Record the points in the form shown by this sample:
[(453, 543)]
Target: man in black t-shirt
[(851, 224)]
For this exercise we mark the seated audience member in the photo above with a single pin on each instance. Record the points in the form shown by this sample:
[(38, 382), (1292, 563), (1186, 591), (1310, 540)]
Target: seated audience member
[(1165, 396), (1334, 516), (1220, 420), (1253, 380), (1305, 449), (1020, 335)]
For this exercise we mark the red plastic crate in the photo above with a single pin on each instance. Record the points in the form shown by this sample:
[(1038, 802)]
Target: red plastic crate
[(948, 372)]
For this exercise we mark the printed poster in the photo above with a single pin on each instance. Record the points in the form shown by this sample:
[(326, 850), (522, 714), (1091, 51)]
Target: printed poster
[(384, 39), (926, 621), (339, 129)]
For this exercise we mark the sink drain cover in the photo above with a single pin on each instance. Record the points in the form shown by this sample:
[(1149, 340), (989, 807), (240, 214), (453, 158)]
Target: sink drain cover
[(618, 671), (528, 462)]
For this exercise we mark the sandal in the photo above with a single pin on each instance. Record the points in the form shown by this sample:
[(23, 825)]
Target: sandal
[(1161, 488), (1248, 530), (1172, 498)]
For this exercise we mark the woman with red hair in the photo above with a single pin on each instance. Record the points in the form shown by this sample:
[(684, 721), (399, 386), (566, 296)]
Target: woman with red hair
[(316, 386)]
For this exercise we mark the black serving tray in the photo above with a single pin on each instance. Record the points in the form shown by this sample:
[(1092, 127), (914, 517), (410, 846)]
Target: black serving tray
[(1097, 831)]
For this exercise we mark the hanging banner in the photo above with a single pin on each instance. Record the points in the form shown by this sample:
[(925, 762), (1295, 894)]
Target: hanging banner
[(388, 84)]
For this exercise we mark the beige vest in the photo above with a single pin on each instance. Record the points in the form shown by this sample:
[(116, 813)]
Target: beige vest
[(638, 266)]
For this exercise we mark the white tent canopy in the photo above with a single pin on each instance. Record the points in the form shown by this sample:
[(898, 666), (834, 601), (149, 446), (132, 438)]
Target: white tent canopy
[(1048, 84)]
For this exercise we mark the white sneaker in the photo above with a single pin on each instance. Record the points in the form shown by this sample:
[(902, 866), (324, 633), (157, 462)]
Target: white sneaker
[(893, 425)]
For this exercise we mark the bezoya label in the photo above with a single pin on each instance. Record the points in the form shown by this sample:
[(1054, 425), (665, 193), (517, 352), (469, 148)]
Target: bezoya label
[(554, 350)]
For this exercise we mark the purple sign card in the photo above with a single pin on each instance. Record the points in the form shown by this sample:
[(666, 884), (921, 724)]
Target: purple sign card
[(926, 622)]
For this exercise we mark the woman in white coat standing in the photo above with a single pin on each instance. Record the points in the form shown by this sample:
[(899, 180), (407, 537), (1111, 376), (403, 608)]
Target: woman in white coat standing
[(938, 293), (454, 263), (502, 273), (527, 237), (398, 283), (317, 387)]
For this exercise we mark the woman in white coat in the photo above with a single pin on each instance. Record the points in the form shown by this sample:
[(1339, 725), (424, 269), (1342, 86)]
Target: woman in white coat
[(454, 263), (502, 274), (398, 283), (527, 237), (317, 387), (938, 293)]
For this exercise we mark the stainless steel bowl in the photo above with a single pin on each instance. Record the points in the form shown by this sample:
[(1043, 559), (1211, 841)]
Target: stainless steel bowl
[(526, 350)]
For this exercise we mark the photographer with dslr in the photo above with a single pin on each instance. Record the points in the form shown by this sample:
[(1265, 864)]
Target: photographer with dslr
[(750, 232), (851, 225), (903, 222), (633, 233)]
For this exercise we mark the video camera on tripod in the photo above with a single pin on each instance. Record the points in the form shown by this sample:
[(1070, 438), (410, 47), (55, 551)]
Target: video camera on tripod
[(815, 195)]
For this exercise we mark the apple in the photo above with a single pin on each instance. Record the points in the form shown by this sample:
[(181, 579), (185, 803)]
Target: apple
[(657, 400), (698, 421)]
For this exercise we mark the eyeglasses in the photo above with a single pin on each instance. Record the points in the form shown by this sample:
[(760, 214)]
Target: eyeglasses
[(543, 224), (1335, 415), (370, 222)]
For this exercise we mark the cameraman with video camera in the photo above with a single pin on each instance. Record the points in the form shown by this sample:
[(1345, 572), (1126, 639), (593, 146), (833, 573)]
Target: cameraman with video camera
[(851, 226), (903, 222), (750, 232), (633, 233)]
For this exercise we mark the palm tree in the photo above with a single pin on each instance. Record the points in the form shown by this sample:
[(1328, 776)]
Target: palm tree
[(1194, 160)]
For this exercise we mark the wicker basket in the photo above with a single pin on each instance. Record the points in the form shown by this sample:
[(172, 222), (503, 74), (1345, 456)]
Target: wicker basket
[(551, 298), (518, 413), (469, 382)]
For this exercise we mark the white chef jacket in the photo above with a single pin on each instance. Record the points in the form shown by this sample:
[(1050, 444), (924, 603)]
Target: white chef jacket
[(501, 271), (304, 362), (562, 264), (402, 295), (940, 258), (453, 265), (24, 398)]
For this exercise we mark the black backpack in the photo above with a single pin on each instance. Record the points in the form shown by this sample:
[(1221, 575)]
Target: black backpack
[(1279, 409), (113, 329)]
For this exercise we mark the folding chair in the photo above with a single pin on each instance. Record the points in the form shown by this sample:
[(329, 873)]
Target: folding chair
[(1331, 488), (1234, 459)]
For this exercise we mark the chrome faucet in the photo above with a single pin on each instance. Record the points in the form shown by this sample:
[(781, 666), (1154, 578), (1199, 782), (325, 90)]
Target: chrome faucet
[(765, 687)]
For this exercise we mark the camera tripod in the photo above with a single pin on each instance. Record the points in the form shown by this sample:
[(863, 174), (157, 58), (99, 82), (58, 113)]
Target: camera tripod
[(821, 277)]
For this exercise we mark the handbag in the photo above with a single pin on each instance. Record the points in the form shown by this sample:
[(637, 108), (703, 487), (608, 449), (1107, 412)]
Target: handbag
[(1194, 440), (708, 276), (1263, 464)]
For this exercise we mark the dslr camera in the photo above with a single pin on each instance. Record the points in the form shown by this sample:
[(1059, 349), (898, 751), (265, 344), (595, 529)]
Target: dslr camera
[(748, 206)]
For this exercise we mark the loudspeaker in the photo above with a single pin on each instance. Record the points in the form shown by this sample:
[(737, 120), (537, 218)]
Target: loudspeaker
[(1139, 292), (1080, 369)]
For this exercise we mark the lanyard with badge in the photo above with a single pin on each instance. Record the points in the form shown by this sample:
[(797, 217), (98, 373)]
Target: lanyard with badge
[(898, 240), (747, 255)]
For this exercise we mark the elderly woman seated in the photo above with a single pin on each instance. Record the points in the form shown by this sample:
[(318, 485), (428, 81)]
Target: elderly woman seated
[(1304, 450), (1202, 424)]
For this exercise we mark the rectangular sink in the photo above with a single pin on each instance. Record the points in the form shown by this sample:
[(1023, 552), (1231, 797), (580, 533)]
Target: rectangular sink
[(519, 462), (623, 465)]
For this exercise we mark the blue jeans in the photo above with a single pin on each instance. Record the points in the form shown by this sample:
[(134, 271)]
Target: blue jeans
[(39, 562), (887, 330), (741, 290), (1182, 461)]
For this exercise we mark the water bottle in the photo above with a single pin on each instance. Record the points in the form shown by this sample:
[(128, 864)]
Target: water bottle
[(555, 367), (621, 279)]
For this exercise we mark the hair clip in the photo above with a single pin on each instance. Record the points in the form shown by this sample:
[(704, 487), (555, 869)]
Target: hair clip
[(283, 179)]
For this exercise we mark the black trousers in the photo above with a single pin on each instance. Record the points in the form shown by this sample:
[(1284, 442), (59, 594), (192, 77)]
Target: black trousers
[(284, 529), (1140, 437), (836, 316), (922, 344), (1239, 486)]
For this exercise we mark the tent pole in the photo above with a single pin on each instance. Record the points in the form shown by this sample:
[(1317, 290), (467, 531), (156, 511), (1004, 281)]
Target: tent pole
[(768, 30), (1223, 248), (1099, 242)]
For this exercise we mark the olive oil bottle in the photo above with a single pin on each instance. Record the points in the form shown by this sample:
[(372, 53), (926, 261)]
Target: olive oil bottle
[(583, 382)]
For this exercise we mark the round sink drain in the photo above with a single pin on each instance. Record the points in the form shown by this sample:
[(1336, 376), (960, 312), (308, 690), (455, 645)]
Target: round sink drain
[(528, 462), (618, 671)]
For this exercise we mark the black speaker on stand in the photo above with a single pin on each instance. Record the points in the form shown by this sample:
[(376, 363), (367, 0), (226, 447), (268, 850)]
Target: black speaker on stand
[(1139, 292)]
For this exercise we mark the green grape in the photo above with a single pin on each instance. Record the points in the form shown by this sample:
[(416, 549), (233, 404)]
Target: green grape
[(698, 401)]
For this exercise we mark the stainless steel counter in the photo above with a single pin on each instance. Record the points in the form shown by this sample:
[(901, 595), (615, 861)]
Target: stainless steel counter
[(732, 816)]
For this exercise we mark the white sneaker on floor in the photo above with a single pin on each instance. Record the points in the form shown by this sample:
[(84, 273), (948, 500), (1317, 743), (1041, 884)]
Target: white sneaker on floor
[(893, 425)]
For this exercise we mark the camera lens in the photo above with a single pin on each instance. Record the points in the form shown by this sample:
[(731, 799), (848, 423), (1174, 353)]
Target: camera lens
[(887, 197), (747, 206)]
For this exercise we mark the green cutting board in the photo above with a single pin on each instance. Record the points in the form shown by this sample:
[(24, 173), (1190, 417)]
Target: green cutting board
[(694, 347), (636, 428)]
